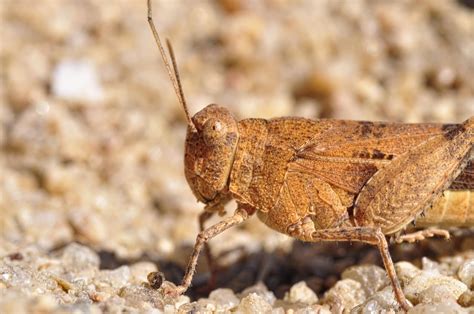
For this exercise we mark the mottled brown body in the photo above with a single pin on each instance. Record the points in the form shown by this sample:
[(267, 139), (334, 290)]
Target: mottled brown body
[(290, 168), (334, 180), (326, 180)]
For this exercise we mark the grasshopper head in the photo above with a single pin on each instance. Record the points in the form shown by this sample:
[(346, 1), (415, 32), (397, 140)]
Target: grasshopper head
[(211, 141)]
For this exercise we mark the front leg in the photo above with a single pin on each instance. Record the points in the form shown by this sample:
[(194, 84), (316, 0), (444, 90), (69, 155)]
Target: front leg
[(239, 216), (203, 217)]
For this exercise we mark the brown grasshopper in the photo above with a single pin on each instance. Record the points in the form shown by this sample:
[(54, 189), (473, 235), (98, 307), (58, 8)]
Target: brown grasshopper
[(324, 180)]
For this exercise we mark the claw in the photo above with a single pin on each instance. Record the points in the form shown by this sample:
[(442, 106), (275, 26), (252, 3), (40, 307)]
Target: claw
[(170, 290)]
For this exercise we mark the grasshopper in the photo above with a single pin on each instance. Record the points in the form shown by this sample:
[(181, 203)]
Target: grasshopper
[(325, 180)]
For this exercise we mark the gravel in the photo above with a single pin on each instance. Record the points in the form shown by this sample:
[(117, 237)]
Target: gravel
[(92, 191)]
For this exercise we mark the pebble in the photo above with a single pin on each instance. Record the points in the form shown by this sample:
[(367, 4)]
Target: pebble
[(301, 293), (225, 298), (436, 294), (467, 299), (372, 278), (466, 273), (78, 257), (203, 305), (71, 277), (115, 278), (346, 294), (92, 137), (76, 80), (140, 271), (261, 290), (428, 279), (449, 307), (430, 265), (254, 303), (406, 272), (381, 302), (141, 297)]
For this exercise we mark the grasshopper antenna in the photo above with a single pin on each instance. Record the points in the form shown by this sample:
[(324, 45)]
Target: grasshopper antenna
[(172, 73)]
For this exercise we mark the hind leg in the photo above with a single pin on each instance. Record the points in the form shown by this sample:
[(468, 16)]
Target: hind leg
[(399, 192), (368, 235)]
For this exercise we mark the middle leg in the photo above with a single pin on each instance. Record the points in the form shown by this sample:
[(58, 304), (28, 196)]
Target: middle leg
[(421, 235)]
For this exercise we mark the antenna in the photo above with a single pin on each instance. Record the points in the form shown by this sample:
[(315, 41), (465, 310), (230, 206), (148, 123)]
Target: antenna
[(173, 74)]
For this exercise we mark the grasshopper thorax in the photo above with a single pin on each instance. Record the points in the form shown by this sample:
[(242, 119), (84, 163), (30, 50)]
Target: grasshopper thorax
[(211, 142)]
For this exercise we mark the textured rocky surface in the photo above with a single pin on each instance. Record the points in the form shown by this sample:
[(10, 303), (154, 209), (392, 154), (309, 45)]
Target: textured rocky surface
[(70, 279), (91, 141)]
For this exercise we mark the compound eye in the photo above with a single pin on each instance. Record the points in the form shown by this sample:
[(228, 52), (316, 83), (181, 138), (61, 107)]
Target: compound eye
[(214, 131)]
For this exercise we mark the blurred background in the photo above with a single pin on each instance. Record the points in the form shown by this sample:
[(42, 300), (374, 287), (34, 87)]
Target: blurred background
[(92, 136)]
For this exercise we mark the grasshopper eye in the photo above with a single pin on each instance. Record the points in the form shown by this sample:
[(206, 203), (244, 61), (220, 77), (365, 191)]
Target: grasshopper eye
[(214, 131)]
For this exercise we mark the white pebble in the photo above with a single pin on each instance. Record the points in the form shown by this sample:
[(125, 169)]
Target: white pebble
[(372, 278), (254, 303), (406, 272), (76, 80), (225, 298), (301, 293), (345, 295), (466, 273), (427, 279)]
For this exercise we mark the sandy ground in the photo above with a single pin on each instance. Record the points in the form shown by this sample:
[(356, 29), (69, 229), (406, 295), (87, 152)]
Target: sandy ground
[(91, 139)]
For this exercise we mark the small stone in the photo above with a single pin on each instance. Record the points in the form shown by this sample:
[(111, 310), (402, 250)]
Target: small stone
[(406, 272), (315, 308), (25, 277), (155, 279), (64, 284), (16, 275), (254, 303), (449, 307), (466, 273), (76, 80), (301, 293), (427, 279), (261, 290), (430, 265), (141, 270), (116, 278), (435, 294), (381, 302), (451, 264), (141, 297), (201, 306), (78, 257), (372, 278), (225, 298), (182, 299), (170, 309), (345, 295), (467, 299)]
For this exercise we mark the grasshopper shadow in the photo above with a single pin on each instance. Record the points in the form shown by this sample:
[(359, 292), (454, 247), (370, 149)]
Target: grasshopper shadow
[(319, 265)]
